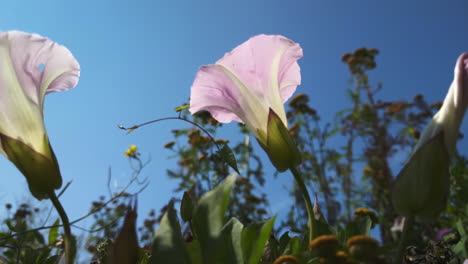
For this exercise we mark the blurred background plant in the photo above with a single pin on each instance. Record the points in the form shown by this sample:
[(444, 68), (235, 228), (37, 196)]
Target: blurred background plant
[(352, 182)]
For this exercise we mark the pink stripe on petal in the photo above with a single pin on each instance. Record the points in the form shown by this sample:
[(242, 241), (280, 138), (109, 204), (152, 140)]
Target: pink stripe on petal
[(252, 63), (258, 75), (214, 92)]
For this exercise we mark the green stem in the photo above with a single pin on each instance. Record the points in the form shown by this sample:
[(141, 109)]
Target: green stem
[(409, 221), (69, 241), (306, 196)]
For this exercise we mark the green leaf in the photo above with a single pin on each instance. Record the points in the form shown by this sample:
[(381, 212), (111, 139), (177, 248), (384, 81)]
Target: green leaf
[(194, 251), (130, 130), (168, 244), (284, 242), (254, 238), (232, 242), (461, 248), (292, 247), (10, 225), (53, 233), (360, 226), (182, 107), (274, 247), (208, 219), (38, 236), (52, 260), (143, 256), (228, 156), (186, 207), (319, 224)]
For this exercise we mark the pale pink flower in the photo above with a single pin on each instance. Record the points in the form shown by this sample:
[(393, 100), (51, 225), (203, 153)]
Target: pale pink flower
[(31, 66), (250, 85)]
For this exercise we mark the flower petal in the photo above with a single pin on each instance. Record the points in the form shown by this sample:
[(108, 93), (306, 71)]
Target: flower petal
[(41, 65), (30, 67), (266, 60), (267, 65), (450, 116), (461, 81), (218, 91), (246, 83)]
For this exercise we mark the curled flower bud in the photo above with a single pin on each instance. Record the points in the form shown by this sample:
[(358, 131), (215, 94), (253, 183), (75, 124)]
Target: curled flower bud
[(422, 186)]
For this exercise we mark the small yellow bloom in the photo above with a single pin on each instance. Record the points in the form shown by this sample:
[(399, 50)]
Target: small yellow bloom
[(132, 151)]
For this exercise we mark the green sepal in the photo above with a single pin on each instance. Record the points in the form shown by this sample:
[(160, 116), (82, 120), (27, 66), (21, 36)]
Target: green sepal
[(41, 170), (278, 144), (422, 187)]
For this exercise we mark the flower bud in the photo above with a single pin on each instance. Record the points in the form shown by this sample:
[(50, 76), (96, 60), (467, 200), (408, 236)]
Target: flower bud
[(422, 186)]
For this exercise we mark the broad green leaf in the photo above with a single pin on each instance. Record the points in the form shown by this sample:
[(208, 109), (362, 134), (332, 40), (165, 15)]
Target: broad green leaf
[(284, 242), (53, 233), (228, 156), (254, 238), (274, 247), (194, 251), (168, 244), (208, 219), (360, 226), (232, 242), (186, 207), (292, 247)]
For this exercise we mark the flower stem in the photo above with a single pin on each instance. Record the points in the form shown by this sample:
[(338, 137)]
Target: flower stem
[(409, 221), (306, 196), (69, 241)]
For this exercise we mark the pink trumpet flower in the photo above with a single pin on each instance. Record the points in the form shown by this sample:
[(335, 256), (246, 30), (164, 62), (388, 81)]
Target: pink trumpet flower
[(250, 85), (31, 66), (422, 187)]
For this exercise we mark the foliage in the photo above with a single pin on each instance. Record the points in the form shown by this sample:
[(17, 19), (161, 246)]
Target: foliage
[(216, 217)]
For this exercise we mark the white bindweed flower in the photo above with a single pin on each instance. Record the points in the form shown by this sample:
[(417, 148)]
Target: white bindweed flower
[(422, 187), (30, 67)]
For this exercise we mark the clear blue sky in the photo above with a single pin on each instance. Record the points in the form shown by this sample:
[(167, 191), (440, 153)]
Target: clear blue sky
[(139, 58)]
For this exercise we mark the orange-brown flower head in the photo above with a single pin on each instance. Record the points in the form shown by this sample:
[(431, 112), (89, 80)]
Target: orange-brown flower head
[(324, 246), (362, 248)]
